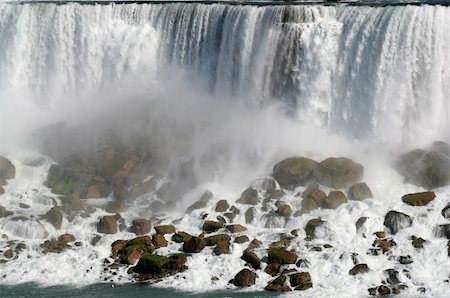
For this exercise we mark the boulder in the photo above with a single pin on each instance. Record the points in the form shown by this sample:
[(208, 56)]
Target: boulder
[(334, 199), (446, 212), (153, 266), (210, 226), (249, 197), (54, 216), (311, 226), (141, 226), (159, 241), (425, 168), (194, 245), (251, 258), (215, 239), (284, 211), (250, 215), (241, 239), (4, 212), (293, 172), (245, 278), (132, 250), (202, 202), (116, 206), (396, 221), (222, 206), (57, 245), (338, 172), (278, 285), (165, 229), (359, 269), (7, 169), (308, 205), (281, 256), (107, 224), (315, 194), (418, 199), (359, 191), (236, 228), (360, 222), (223, 247), (442, 231), (180, 237), (299, 279)]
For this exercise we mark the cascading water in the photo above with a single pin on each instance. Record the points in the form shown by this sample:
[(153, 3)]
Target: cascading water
[(225, 91)]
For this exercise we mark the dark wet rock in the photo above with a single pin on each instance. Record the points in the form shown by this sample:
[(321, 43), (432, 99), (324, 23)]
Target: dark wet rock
[(304, 286), (54, 216), (405, 260), (250, 215), (278, 285), (395, 221), (255, 243), (419, 199), (311, 226), (303, 263), (383, 290), (359, 191), (334, 199), (165, 229), (4, 212), (360, 222), (281, 256), (272, 269), (442, 231), (293, 172), (299, 279), (202, 202), (284, 211), (392, 276), (417, 242), (95, 240), (384, 244), (108, 224), (446, 212), (236, 228), (380, 234), (338, 172), (359, 269), (222, 206), (222, 247), (141, 226), (241, 239), (8, 254), (57, 245), (132, 250), (194, 245), (159, 241), (7, 169), (210, 226), (215, 239), (251, 258), (153, 266), (180, 237), (249, 197), (274, 194), (245, 278)]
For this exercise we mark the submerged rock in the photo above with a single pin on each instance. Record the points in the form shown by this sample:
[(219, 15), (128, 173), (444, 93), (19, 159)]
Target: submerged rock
[(250, 215), (360, 222), (395, 221), (244, 278), (419, 199), (359, 191), (311, 227), (338, 172), (293, 172)]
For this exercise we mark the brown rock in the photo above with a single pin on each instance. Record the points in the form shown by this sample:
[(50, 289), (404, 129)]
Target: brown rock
[(93, 192), (241, 239), (384, 244), (251, 258), (116, 206), (417, 242), (181, 237), (335, 199), (141, 226), (281, 256), (293, 172), (159, 241), (236, 228), (384, 290), (215, 239), (7, 169), (222, 206), (273, 269), (245, 278), (359, 269), (284, 210), (419, 199), (223, 247), (311, 227), (210, 226), (165, 229), (249, 197), (278, 285), (201, 203), (359, 191), (54, 216), (338, 172), (107, 224), (4, 212), (380, 234), (194, 245), (250, 215), (8, 254), (300, 278)]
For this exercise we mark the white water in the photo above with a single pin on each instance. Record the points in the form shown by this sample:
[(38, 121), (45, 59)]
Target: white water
[(240, 88)]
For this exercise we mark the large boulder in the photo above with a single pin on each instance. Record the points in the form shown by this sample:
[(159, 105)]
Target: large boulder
[(281, 256), (245, 278), (419, 199), (426, 168), (338, 172), (141, 226), (222, 206), (334, 199), (251, 258), (194, 245), (128, 252), (108, 224), (293, 172), (54, 216), (153, 266), (236, 228), (249, 197), (284, 211), (359, 191), (278, 285), (395, 221), (7, 169), (210, 226), (300, 278)]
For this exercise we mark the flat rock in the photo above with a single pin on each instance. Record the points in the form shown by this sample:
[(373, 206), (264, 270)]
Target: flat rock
[(418, 199)]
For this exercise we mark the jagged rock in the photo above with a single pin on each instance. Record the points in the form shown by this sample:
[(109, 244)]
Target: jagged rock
[(442, 231), (128, 252), (300, 278), (359, 269), (165, 229), (153, 266), (250, 215), (338, 172), (54, 216), (215, 239), (278, 285), (429, 169), (159, 241), (249, 197), (141, 226), (251, 258), (419, 199), (181, 237), (405, 260), (236, 228), (194, 245), (210, 226), (57, 245), (272, 269), (222, 206), (223, 247), (281, 256), (384, 244), (244, 278), (7, 169), (108, 224), (417, 242), (202, 202), (335, 199), (395, 221), (359, 191), (293, 172), (284, 210), (360, 222), (4, 212), (241, 239), (384, 290), (117, 246), (311, 227)]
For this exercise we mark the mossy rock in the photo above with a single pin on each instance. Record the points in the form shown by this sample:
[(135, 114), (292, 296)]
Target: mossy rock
[(281, 256), (151, 264)]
